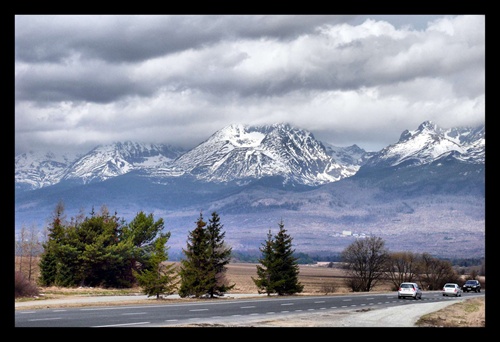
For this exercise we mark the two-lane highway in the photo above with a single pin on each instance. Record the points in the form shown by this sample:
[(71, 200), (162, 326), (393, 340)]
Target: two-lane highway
[(212, 311)]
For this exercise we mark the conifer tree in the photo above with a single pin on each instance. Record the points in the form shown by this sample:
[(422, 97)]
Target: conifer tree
[(140, 233), (194, 269), (286, 268), (279, 271), (48, 260), (219, 257), (263, 280), (101, 255), (203, 271), (100, 250), (160, 279)]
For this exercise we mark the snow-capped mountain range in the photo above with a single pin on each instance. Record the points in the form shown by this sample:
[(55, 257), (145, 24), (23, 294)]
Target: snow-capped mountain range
[(431, 182), (239, 152), (35, 170)]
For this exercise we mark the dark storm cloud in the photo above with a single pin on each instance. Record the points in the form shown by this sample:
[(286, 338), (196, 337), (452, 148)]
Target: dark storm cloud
[(101, 49), (128, 39), (86, 80)]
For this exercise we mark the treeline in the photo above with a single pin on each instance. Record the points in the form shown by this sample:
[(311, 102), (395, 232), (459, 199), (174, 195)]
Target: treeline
[(461, 264), (302, 258)]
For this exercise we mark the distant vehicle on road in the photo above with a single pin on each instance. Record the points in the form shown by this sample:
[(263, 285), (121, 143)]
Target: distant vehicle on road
[(472, 285), (452, 289), (409, 290)]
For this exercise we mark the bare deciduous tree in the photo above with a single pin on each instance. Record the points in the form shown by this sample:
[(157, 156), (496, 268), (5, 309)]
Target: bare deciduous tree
[(28, 247), (402, 267), (20, 247), (366, 261), (434, 273)]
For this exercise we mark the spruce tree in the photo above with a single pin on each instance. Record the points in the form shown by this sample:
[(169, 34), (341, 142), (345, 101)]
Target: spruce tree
[(203, 271), (286, 268), (279, 271), (219, 256), (194, 269), (49, 258), (264, 272)]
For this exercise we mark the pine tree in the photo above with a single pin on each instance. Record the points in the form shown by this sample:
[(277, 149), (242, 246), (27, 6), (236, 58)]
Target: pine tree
[(194, 269), (160, 279), (100, 250), (279, 271), (219, 257), (140, 234)]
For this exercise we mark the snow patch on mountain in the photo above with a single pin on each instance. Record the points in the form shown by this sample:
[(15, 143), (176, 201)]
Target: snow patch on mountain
[(35, 169), (429, 143), (238, 151), (239, 137)]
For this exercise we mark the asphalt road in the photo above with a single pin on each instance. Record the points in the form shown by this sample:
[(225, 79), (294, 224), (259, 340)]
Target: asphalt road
[(353, 310)]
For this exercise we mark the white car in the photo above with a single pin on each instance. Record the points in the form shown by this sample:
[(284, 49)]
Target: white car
[(409, 290), (452, 289)]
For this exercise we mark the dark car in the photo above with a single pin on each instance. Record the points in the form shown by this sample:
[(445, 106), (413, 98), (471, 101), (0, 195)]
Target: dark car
[(471, 285)]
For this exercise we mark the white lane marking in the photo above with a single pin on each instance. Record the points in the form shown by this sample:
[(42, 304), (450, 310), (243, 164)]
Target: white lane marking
[(120, 325), (133, 313)]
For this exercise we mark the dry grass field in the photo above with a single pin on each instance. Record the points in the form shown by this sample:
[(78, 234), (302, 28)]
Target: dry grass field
[(316, 279)]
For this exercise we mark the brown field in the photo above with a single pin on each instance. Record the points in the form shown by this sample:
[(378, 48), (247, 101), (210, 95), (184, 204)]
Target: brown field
[(316, 279)]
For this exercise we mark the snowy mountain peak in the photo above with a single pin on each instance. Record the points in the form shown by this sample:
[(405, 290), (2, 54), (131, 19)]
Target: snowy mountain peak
[(429, 143), (39, 169), (240, 136), (239, 152), (118, 158), (427, 125)]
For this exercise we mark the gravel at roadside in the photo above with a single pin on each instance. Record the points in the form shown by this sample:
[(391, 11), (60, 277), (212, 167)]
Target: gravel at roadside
[(398, 316)]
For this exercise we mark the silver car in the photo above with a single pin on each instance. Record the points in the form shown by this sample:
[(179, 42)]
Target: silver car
[(452, 289), (409, 290)]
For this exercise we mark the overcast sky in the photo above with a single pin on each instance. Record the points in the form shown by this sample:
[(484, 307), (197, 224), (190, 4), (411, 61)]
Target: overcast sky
[(82, 81)]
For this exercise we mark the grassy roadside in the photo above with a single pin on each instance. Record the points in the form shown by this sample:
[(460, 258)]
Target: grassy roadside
[(467, 313)]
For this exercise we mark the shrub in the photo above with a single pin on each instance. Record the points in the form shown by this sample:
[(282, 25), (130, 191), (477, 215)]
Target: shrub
[(328, 288), (23, 287)]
